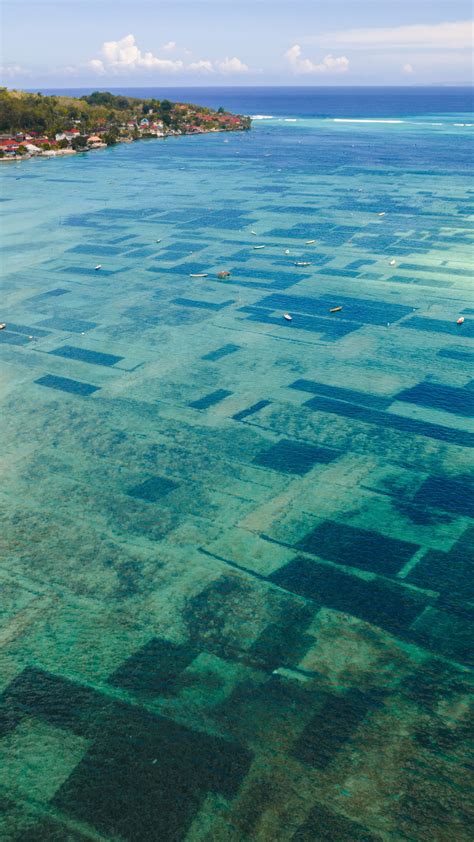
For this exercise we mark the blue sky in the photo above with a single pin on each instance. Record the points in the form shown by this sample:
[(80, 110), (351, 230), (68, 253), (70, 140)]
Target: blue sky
[(118, 43)]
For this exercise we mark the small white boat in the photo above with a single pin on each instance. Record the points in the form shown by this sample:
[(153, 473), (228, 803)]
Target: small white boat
[(2, 326), (460, 321), (287, 251), (99, 266), (199, 275), (302, 263), (310, 242), (288, 317), (382, 213), (259, 247), (392, 262), (157, 241), (254, 233)]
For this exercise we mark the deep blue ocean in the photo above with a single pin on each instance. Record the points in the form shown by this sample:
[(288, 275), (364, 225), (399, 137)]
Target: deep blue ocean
[(236, 509), (311, 102)]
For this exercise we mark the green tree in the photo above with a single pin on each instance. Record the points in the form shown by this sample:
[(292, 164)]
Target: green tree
[(166, 108), (110, 137), (79, 143)]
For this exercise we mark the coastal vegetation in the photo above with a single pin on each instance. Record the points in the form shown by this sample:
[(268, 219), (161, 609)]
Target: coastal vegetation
[(70, 123)]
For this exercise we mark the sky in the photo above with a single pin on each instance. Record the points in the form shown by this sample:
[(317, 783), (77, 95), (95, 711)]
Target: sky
[(134, 43)]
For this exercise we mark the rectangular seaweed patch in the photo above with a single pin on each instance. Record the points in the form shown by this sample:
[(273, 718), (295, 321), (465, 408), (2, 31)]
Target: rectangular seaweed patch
[(90, 271), (294, 457), (68, 325), (211, 399), (441, 326), (52, 293), (341, 393), (451, 573), (213, 356), (152, 489), (27, 331), (388, 605), (65, 384), (325, 826), (438, 396), (251, 410), (13, 338), (388, 420), (330, 329), (206, 305), (356, 547), (330, 728), (464, 354), (100, 250), (450, 495), (154, 668), (86, 356)]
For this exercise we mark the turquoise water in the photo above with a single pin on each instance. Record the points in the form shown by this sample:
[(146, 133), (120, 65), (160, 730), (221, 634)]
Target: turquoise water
[(236, 548)]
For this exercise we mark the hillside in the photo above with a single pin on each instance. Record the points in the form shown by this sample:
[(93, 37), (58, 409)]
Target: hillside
[(111, 117)]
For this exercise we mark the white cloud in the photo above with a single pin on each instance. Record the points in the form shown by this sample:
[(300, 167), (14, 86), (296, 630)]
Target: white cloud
[(97, 65), (407, 68), (232, 65), (201, 67), (455, 35), (9, 71), (304, 65), (125, 55)]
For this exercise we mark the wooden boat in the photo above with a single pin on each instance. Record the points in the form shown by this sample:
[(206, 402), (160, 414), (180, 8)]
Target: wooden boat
[(199, 275), (460, 321), (224, 274), (288, 317), (335, 309)]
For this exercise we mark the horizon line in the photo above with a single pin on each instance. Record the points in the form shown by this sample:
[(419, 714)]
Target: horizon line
[(469, 85)]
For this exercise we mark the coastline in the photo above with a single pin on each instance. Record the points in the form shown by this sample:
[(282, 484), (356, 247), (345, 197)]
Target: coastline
[(34, 126), (60, 153)]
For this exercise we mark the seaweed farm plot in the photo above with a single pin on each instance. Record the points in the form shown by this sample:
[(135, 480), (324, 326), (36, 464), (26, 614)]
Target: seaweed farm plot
[(237, 520)]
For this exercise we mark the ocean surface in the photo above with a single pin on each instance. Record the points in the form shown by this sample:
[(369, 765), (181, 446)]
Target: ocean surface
[(236, 576)]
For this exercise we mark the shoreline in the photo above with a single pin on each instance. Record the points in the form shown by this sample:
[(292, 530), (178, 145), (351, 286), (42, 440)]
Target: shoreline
[(61, 153)]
